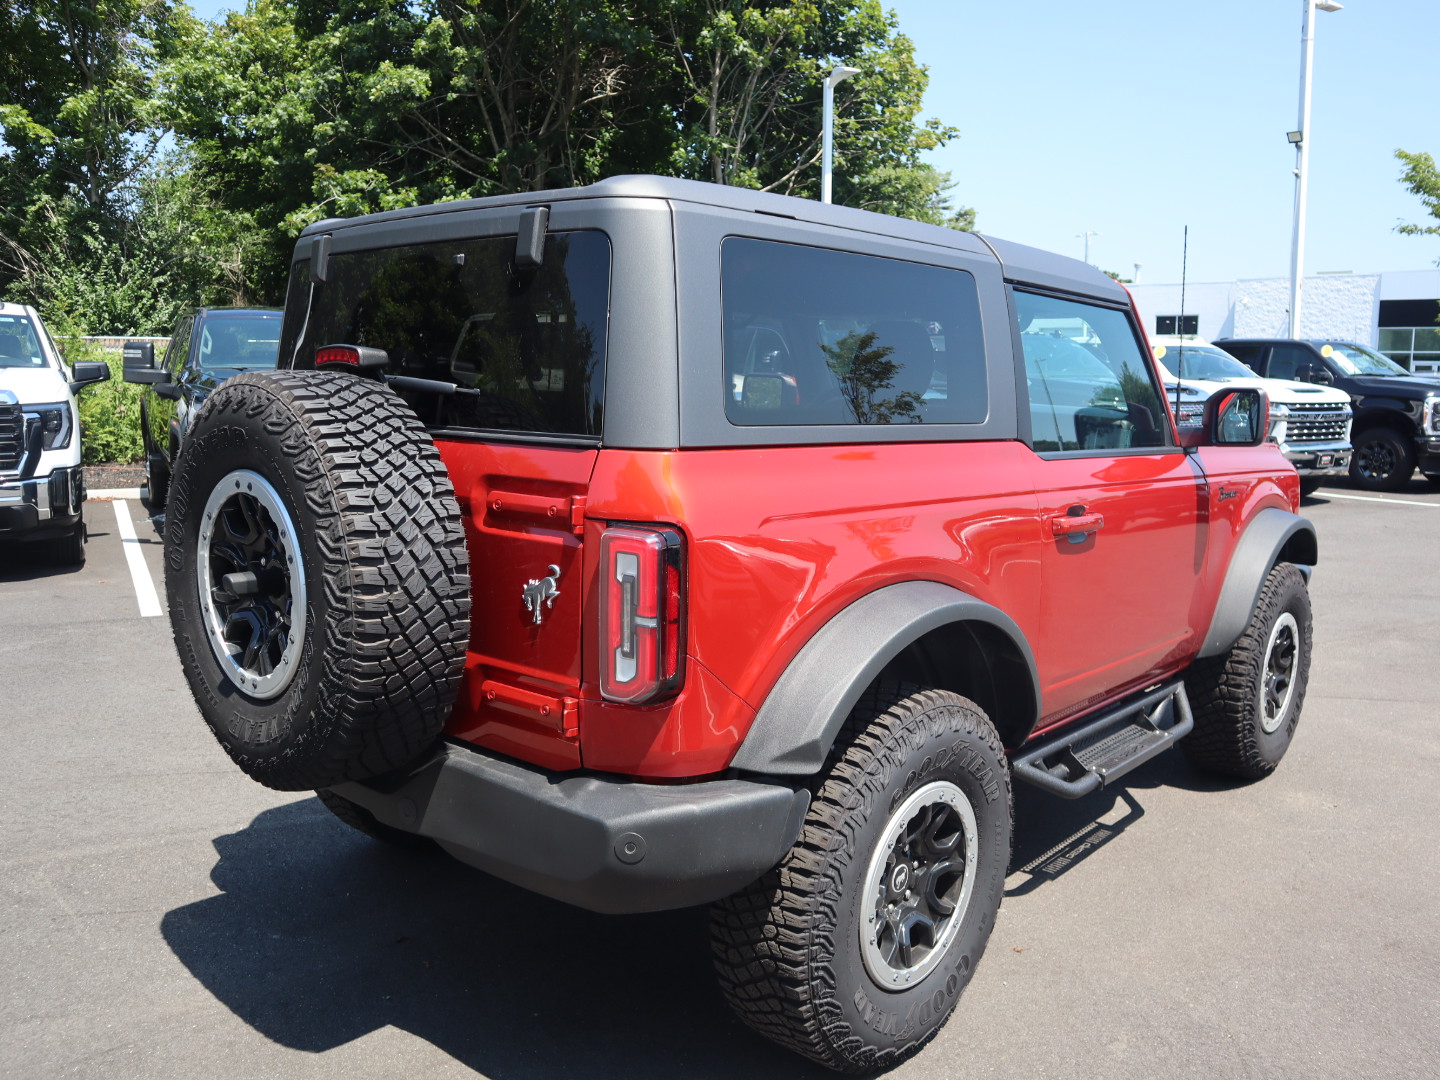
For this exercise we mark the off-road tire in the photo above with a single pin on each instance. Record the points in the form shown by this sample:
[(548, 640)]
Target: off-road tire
[(1228, 692), (378, 589), (788, 950), (1382, 460), (362, 820)]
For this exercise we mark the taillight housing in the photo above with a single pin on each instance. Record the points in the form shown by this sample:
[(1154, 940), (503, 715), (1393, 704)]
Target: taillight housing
[(642, 588)]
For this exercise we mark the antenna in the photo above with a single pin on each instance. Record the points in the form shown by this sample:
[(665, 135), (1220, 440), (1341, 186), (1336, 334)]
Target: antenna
[(1179, 350)]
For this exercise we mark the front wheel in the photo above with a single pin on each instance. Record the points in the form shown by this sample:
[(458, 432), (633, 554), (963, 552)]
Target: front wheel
[(1247, 701), (1382, 460), (855, 949)]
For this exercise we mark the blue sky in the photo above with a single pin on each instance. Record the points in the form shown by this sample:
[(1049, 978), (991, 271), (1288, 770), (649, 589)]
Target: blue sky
[(1135, 118)]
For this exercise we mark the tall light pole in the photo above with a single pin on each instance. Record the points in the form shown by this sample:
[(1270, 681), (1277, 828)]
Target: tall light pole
[(1298, 137), (1087, 236), (827, 138)]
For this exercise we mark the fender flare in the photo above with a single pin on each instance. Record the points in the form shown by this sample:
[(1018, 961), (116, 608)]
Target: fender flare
[(804, 711), (1259, 548)]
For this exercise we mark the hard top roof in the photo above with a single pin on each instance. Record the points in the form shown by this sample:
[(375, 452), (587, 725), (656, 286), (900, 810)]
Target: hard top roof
[(1019, 262)]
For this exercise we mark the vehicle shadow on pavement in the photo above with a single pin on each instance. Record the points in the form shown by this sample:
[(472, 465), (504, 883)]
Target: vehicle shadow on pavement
[(1053, 835), (22, 560), (321, 936)]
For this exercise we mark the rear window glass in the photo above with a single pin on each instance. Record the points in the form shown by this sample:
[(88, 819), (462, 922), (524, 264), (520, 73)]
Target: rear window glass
[(814, 336), (238, 342), (526, 346)]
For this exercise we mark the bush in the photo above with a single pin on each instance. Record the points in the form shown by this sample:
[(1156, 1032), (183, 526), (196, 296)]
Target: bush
[(109, 411)]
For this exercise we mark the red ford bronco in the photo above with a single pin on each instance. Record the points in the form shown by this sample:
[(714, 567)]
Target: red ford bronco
[(656, 543)]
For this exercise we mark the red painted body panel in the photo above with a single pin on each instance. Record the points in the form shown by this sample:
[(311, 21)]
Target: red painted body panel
[(520, 508), (780, 539)]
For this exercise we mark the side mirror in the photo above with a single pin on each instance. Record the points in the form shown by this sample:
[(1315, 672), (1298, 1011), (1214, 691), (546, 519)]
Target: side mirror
[(138, 354), (168, 390), (1315, 373), (1230, 418), (1240, 418), (87, 373)]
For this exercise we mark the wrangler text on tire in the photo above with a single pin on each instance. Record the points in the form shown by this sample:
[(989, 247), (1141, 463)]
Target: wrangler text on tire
[(317, 578), (854, 950)]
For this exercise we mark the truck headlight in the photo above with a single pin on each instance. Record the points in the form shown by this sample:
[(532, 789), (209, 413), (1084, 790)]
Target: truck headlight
[(55, 424), (1279, 414), (1430, 421)]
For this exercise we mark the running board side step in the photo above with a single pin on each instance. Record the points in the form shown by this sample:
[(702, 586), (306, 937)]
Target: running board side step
[(1076, 762)]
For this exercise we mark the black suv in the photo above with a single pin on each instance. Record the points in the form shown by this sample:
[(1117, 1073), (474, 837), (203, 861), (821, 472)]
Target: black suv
[(208, 346), (1397, 414)]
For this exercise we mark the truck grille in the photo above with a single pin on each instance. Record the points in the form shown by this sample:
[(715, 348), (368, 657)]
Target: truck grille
[(12, 436), (1316, 423)]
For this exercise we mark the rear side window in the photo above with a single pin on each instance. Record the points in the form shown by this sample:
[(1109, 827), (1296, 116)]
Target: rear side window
[(1089, 385), (527, 347), (814, 336)]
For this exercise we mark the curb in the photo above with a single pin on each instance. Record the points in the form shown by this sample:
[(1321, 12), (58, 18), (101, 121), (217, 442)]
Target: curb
[(103, 494)]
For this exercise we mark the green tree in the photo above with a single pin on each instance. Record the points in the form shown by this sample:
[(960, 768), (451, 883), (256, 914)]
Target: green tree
[(1421, 177), (863, 370)]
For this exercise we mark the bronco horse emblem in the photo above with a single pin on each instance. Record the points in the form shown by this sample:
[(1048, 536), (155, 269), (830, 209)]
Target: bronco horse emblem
[(542, 592)]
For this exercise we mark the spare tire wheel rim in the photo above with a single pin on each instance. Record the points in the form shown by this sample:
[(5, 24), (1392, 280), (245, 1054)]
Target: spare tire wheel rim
[(1282, 653), (918, 885), (251, 582)]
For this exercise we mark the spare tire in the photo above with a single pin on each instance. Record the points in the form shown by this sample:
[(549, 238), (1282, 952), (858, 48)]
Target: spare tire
[(317, 578)]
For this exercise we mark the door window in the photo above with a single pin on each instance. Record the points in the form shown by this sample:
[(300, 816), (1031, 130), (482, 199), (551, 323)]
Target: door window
[(1285, 360), (1089, 385), (817, 336)]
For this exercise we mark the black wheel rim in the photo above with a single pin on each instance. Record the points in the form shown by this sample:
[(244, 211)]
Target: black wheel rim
[(918, 886), (1277, 686), (251, 584), (1375, 461)]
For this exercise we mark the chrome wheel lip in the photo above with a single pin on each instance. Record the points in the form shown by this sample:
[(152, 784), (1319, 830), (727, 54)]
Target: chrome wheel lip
[(877, 882), (249, 484), (1285, 632)]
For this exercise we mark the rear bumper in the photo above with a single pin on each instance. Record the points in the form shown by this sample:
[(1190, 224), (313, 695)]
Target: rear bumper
[(602, 843), (41, 506)]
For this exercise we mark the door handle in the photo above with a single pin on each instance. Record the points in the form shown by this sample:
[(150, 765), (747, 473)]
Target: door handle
[(1075, 524)]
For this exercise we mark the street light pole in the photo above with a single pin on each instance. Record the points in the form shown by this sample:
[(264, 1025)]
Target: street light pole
[(1298, 138), (827, 137), (1086, 236)]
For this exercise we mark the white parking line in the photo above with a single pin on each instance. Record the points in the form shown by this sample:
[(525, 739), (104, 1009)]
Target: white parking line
[(1379, 498), (139, 572)]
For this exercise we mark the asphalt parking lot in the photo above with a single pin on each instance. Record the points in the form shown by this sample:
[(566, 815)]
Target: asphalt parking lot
[(162, 916)]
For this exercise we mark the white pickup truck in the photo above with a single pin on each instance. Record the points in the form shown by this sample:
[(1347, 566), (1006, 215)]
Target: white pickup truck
[(42, 487), (1309, 422)]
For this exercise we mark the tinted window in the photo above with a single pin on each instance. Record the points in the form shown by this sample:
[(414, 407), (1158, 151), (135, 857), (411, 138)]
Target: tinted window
[(19, 347), (528, 347), (244, 342), (1248, 355), (814, 336), (1089, 385), (1285, 360)]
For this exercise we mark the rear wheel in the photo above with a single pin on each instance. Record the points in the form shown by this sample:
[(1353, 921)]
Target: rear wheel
[(855, 949), (1247, 702), (1382, 460), (317, 577)]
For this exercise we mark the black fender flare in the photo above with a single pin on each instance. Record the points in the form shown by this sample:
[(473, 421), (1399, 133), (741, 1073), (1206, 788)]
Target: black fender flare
[(804, 711), (1271, 533)]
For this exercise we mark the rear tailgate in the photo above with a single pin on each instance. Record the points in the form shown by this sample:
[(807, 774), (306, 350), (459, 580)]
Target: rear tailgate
[(522, 508)]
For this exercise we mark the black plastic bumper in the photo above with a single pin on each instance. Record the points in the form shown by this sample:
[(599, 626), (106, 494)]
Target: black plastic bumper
[(1427, 455), (38, 508), (605, 844)]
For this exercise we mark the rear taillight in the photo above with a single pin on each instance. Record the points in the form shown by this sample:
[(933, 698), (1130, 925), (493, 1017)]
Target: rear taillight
[(641, 603)]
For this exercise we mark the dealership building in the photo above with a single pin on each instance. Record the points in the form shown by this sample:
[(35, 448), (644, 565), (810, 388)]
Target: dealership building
[(1394, 312)]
